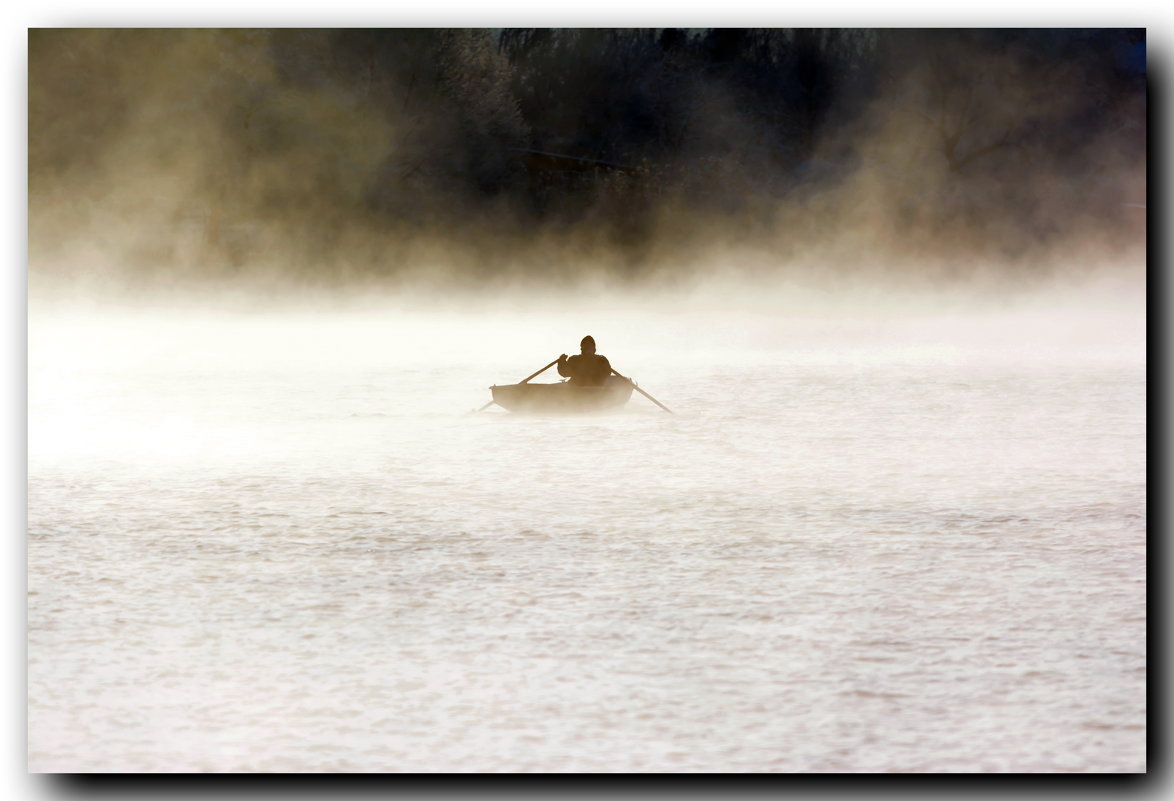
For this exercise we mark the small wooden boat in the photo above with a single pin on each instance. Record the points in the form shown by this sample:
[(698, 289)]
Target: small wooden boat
[(562, 398)]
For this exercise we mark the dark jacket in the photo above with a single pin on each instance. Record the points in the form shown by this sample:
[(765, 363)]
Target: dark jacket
[(585, 371)]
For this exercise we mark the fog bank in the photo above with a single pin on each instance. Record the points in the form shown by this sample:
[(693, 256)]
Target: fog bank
[(359, 159)]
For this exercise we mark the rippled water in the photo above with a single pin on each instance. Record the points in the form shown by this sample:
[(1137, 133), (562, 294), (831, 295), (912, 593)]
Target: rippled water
[(258, 543)]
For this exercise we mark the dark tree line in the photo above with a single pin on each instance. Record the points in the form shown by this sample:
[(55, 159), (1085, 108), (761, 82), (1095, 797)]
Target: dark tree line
[(321, 135)]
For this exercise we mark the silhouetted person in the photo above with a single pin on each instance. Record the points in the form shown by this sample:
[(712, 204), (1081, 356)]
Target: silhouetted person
[(588, 369)]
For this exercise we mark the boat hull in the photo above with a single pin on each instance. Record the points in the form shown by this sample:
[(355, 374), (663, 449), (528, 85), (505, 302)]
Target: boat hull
[(562, 398)]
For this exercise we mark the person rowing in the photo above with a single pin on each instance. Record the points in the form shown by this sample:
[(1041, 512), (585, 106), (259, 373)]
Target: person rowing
[(588, 368)]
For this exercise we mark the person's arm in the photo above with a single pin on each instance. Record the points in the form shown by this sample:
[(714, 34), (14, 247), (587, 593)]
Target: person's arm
[(563, 370)]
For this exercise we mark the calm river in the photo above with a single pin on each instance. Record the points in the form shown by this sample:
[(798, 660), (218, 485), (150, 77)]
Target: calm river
[(888, 542)]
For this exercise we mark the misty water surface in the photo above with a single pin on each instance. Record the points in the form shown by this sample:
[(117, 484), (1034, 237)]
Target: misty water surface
[(868, 540)]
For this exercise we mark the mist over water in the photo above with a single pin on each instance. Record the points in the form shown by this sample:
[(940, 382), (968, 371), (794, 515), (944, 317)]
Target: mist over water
[(891, 283), (883, 532)]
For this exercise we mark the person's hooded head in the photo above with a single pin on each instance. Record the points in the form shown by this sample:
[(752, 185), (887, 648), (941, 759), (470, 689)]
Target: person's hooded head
[(587, 346)]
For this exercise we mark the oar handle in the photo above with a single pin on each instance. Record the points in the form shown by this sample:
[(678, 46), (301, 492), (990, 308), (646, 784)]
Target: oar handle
[(543, 370), (642, 392)]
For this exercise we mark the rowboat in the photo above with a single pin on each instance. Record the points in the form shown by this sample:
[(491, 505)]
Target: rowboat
[(562, 398)]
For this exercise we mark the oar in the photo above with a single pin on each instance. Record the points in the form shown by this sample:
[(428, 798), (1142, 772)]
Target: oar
[(523, 381), (645, 394), (543, 370)]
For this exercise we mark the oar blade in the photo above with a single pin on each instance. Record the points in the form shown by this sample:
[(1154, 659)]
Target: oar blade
[(642, 392)]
